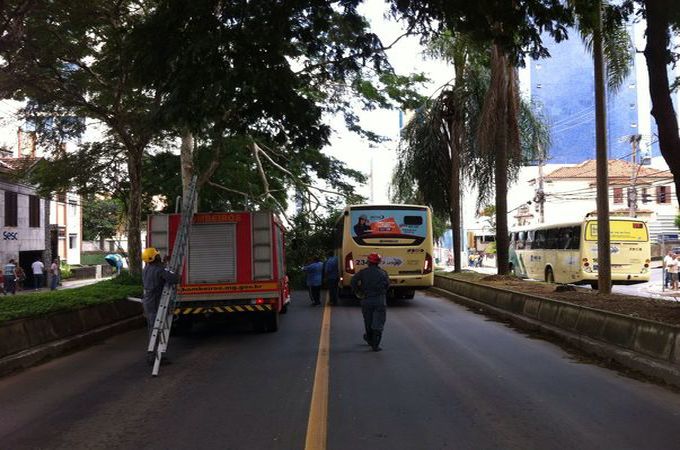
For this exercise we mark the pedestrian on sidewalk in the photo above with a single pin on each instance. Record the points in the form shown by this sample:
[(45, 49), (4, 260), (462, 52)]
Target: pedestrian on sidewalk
[(38, 268), (9, 271), (370, 285), (332, 275), (55, 273), (154, 278), (20, 278), (314, 272), (667, 260), (673, 267)]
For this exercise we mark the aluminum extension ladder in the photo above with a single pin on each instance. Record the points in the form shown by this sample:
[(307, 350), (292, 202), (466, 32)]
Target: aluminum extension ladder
[(158, 343)]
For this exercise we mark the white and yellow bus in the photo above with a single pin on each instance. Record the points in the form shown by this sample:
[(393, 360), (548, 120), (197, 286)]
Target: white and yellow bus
[(401, 234), (567, 252)]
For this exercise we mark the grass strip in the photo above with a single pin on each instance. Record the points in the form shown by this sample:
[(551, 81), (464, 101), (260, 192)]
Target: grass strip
[(44, 303)]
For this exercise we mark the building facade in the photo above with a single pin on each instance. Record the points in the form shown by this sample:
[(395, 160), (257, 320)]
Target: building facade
[(23, 223)]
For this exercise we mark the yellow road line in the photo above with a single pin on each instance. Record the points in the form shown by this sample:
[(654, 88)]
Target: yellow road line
[(317, 425)]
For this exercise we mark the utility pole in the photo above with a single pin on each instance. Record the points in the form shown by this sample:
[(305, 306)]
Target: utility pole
[(539, 198), (604, 278), (632, 191)]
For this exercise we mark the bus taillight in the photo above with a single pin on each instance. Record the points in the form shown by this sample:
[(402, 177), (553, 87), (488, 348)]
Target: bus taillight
[(427, 265), (349, 263)]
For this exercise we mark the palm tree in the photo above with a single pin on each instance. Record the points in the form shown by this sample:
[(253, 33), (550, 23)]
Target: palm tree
[(453, 137)]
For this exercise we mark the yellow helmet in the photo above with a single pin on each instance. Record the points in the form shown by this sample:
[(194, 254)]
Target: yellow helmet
[(149, 254)]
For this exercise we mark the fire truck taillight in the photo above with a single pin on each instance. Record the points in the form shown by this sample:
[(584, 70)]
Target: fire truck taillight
[(427, 265), (265, 301), (349, 263)]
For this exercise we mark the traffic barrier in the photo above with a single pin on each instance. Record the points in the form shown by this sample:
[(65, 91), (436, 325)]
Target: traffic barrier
[(644, 345), (26, 342)]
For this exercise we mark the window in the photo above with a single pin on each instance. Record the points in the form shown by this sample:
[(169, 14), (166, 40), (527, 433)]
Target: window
[(521, 240), (33, 211), (11, 209), (663, 194), (645, 196), (569, 238), (72, 207), (529, 243), (72, 241), (618, 195), (552, 240), (413, 220), (540, 239)]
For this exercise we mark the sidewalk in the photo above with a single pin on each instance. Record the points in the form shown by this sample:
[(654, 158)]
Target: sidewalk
[(66, 284)]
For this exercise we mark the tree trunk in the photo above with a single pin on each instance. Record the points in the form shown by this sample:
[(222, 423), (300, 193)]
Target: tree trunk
[(455, 197), (657, 57), (186, 157), (501, 183), (604, 273), (135, 212)]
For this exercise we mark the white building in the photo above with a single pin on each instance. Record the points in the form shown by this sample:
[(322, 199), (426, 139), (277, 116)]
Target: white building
[(23, 234), (66, 227)]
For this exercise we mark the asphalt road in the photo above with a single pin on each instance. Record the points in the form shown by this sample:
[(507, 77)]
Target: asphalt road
[(447, 378)]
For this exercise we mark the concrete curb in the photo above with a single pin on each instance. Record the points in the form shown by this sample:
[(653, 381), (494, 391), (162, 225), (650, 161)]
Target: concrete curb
[(43, 353), (27, 342), (649, 347)]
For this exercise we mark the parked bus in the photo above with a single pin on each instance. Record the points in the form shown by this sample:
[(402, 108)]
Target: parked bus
[(567, 252), (401, 234)]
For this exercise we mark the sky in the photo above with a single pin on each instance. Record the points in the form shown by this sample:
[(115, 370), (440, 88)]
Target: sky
[(406, 57)]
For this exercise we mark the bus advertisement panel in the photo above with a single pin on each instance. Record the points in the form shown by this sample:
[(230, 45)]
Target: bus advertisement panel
[(384, 223)]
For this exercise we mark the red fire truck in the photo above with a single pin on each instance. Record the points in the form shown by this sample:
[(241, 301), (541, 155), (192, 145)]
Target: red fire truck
[(234, 264)]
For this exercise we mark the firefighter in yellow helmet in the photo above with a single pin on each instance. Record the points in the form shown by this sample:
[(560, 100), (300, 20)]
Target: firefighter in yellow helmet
[(154, 278)]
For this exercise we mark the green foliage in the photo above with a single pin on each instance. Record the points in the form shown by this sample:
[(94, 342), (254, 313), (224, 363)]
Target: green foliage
[(490, 248), (65, 270), (92, 258), (677, 221), (101, 217), (516, 26), (44, 303), (309, 237)]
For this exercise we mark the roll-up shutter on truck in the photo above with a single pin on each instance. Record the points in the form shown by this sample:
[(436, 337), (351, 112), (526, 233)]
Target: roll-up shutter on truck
[(212, 253), (262, 246), (158, 236)]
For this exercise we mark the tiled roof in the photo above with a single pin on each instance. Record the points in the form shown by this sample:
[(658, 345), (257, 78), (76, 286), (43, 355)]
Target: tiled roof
[(617, 169)]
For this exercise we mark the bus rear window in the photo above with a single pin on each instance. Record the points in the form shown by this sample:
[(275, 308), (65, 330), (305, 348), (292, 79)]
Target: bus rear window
[(620, 231), (413, 220)]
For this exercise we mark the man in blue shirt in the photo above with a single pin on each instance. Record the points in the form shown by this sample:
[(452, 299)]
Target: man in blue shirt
[(314, 273), (332, 275)]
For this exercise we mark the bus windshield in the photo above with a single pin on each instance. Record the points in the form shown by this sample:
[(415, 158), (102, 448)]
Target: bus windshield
[(620, 231), (390, 226)]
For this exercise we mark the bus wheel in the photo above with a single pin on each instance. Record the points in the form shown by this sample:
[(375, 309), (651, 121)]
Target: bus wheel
[(594, 285), (549, 276)]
